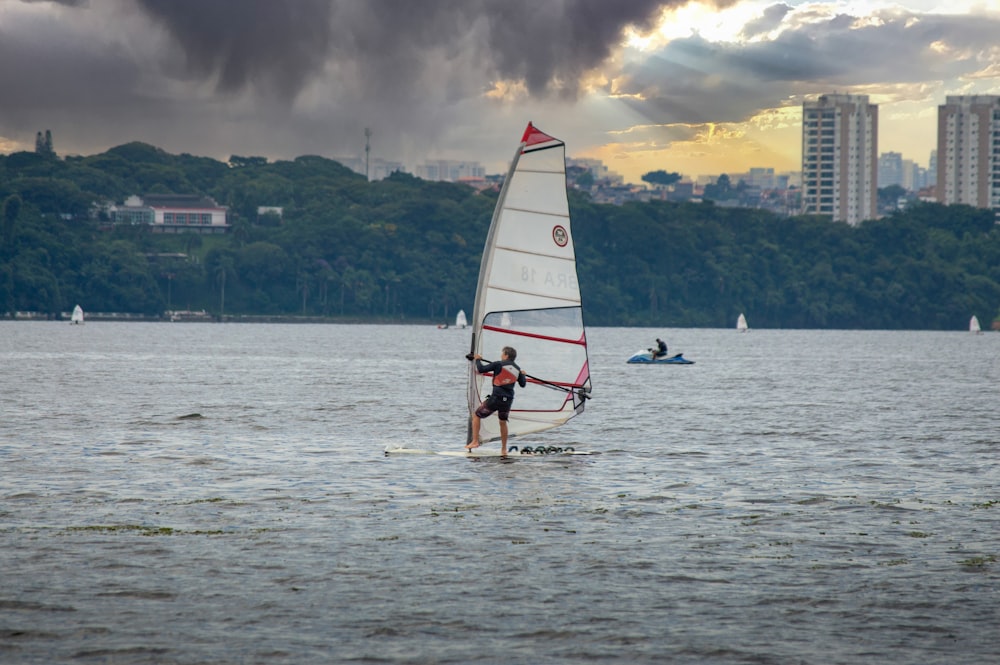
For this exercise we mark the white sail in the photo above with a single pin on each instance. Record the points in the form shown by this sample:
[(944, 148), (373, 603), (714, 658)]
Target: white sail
[(460, 320), (77, 315), (741, 323), (528, 296), (974, 324)]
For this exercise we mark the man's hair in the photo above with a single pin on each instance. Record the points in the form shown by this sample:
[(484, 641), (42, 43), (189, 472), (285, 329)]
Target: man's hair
[(510, 352)]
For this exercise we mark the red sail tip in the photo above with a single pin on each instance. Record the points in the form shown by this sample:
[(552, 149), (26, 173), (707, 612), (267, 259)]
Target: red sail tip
[(534, 136)]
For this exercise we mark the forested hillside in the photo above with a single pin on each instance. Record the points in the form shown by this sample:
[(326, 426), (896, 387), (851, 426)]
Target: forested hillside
[(407, 250)]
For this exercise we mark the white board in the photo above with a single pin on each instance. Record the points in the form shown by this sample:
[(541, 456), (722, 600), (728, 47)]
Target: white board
[(478, 452)]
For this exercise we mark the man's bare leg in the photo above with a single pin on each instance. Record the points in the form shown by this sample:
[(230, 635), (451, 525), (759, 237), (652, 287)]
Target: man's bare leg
[(503, 438), (475, 433)]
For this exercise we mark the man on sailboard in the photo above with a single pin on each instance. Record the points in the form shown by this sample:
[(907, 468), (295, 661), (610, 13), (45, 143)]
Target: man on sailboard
[(505, 374)]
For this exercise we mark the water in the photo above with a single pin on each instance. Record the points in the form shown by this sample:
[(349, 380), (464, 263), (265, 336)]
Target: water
[(814, 497)]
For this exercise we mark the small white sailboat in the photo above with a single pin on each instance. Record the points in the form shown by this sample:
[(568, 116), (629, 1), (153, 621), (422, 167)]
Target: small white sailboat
[(528, 297), (77, 317), (974, 325), (741, 323), (460, 320)]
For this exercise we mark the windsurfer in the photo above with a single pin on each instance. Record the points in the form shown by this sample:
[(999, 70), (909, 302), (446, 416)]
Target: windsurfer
[(505, 374)]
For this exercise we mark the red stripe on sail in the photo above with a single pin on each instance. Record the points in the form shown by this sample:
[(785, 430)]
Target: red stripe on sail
[(507, 331)]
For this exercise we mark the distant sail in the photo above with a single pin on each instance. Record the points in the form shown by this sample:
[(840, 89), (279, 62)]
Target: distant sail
[(974, 324), (741, 323), (460, 320), (528, 295), (77, 317)]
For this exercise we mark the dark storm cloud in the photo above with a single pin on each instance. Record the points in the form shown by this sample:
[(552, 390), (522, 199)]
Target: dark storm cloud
[(277, 45), (284, 78), (693, 80), (68, 3), (546, 44)]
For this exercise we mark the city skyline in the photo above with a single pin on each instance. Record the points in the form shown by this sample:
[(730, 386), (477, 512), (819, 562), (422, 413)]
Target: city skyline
[(644, 85)]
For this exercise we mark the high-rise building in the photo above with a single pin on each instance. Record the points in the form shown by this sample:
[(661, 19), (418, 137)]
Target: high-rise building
[(890, 169), (968, 153), (840, 157)]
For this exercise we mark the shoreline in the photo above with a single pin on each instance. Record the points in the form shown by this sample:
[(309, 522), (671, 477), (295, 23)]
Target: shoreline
[(204, 317)]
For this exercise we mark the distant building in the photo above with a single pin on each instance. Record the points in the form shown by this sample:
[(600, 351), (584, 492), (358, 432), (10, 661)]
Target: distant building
[(890, 169), (132, 213), (761, 177), (683, 190), (597, 169), (619, 194), (446, 170), (840, 158), (276, 211), (172, 213), (914, 176), (378, 169), (968, 152)]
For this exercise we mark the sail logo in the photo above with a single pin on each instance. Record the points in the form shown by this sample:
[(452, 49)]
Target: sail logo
[(559, 235)]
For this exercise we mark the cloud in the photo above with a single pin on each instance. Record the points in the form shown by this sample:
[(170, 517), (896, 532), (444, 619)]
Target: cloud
[(693, 80), (242, 43), (768, 21), (444, 78), (385, 46), (283, 78)]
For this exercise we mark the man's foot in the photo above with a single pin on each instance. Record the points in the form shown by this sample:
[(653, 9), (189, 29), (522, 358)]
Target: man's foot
[(470, 446)]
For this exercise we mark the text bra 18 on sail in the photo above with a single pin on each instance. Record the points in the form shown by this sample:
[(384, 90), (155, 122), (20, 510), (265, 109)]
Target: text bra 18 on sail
[(528, 295)]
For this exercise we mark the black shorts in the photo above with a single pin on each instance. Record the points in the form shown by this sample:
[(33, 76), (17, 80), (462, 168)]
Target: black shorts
[(499, 404)]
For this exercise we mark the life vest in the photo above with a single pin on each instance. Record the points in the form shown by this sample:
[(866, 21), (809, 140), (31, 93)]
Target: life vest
[(507, 375)]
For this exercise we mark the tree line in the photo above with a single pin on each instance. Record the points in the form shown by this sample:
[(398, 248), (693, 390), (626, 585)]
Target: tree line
[(407, 250)]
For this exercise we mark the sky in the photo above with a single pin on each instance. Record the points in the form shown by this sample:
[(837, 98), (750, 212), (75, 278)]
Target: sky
[(698, 88)]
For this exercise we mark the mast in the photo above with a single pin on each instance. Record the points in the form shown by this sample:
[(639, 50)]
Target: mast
[(484, 268)]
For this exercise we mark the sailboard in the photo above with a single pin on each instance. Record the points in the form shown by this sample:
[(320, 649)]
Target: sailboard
[(528, 298), (77, 316), (460, 320), (541, 452), (974, 325), (741, 323)]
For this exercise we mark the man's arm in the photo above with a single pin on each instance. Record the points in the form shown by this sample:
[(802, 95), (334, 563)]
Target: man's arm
[(484, 366)]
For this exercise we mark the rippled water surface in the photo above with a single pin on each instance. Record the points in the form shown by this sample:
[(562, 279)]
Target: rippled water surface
[(204, 493)]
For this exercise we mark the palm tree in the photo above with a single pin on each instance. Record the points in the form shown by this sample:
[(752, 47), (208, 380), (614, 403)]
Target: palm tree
[(11, 210), (302, 285), (223, 267)]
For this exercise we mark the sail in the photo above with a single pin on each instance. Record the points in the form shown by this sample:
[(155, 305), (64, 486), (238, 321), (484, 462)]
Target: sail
[(460, 320), (528, 296), (974, 324), (77, 315), (741, 323)]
